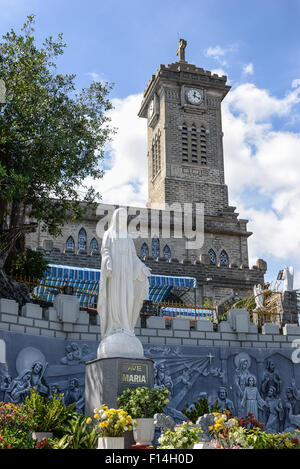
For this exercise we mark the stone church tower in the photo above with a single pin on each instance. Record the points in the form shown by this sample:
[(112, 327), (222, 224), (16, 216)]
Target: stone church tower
[(182, 105)]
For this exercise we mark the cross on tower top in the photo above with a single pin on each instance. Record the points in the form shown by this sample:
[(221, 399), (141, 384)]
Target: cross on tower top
[(181, 50)]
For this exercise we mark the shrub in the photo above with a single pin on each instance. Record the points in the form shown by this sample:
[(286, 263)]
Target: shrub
[(50, 415), (184, 436), (199, 408), (78, 435), (30, 264), (15, 424), (143, 402)]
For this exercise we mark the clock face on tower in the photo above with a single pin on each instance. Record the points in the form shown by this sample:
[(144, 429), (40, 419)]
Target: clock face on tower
[(151, 109), (194, 96)]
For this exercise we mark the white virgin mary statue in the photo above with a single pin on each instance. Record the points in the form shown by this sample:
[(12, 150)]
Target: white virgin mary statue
[(123, 287)]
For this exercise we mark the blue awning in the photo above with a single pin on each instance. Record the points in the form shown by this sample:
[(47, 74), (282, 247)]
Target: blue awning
[(86, 284)]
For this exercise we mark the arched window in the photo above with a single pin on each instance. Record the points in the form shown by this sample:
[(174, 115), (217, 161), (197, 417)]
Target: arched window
[(167, 252), (70, 244), (144, 251), (224, 260), (156, 157), (212, 255), (94, 245), (155, 248), (82, 239)]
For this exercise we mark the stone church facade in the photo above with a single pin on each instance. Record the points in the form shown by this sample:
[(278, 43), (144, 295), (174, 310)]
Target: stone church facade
[(182, 108)]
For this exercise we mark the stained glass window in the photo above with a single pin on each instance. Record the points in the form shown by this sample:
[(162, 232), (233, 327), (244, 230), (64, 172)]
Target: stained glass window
[(224, 258), (82, 239), (155, 248), (167, 252), (212, 255), (144, 251), (94, 245), (70, 244)]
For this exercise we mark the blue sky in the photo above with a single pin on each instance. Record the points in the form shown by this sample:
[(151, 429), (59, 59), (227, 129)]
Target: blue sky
[(256, 44)]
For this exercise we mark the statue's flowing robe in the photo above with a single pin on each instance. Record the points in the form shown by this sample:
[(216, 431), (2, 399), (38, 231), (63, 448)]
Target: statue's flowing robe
[(121, 292)]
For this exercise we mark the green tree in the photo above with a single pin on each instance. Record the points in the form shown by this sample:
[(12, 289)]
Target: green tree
[(51, 139)]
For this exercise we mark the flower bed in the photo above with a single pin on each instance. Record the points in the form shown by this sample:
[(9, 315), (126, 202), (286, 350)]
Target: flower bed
[(247, 433)]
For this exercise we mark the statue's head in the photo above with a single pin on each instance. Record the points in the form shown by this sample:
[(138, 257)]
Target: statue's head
[(222, 392), (74, 383), (251, 381), (244, 364), (271, 365), (26, 376), (271, 391), (37, 367), (118, 222)]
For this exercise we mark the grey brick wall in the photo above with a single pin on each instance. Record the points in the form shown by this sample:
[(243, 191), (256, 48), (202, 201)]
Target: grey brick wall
[(33, 320)]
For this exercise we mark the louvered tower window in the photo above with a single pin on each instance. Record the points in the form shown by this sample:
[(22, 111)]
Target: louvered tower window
[(203, 145), (194, 144), (185, 143)]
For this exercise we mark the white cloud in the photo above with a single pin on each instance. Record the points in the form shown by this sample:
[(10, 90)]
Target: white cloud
[(258, 105), (266, 162), (214, 52), (125, 181), (296, 83), (95, 76), (218, 53), (248, 69), (218, 71)]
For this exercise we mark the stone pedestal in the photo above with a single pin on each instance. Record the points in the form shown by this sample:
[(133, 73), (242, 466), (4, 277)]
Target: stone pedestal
[(106, 379)]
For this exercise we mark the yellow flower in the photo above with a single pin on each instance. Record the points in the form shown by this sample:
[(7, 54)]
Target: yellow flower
[(96, 416), (88, 420), (103, 424), (220, 421)]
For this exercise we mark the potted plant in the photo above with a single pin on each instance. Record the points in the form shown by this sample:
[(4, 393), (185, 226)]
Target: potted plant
[(49, 414), (111, 425), (184, 436), (142, 403)]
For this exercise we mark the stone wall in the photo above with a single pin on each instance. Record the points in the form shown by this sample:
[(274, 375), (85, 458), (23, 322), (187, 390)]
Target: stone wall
[(33, 320)]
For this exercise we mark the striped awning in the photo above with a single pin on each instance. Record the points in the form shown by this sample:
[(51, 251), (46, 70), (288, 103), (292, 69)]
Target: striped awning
[(85, 283)]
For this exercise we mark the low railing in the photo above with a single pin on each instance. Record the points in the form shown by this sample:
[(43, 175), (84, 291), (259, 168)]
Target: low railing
[(171, 310)]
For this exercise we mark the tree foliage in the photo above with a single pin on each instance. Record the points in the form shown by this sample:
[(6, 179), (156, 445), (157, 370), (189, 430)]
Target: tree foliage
[(51, 138)]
